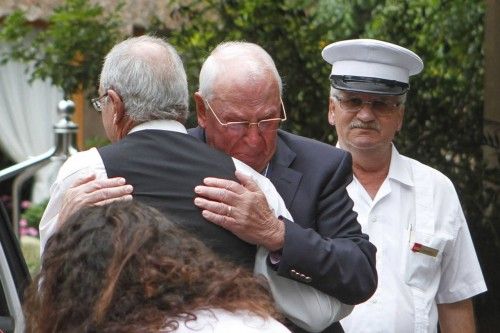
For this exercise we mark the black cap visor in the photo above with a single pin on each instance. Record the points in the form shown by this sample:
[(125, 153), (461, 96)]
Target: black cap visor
[(369, 85)]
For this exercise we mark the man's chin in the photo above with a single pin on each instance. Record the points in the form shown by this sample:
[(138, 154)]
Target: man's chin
[(249, 160), (364, 144)]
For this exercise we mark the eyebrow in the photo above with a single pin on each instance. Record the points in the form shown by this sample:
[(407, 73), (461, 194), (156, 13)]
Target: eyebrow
[(239, 117)]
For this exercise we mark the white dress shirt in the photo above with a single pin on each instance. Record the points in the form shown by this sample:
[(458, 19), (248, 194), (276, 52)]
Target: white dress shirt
[(415, 205)]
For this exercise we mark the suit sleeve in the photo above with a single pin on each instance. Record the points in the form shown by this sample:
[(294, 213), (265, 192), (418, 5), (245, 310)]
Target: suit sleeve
[(336, 258)]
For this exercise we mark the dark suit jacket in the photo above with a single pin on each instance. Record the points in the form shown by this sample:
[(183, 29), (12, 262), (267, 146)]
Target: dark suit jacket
[(324, 246), (325, 242)]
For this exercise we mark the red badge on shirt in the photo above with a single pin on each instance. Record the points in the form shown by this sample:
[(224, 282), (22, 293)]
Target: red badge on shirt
[(417, 247)]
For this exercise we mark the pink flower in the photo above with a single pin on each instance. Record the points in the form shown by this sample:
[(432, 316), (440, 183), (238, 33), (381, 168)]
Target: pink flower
[(24, 230), (32, 232)]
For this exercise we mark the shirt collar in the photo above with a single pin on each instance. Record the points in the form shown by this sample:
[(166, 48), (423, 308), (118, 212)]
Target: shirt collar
[(163, 124), (399, 170)]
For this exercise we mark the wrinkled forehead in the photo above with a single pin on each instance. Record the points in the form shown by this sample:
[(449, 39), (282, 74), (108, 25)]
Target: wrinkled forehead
[(247, 89), (234, 79)]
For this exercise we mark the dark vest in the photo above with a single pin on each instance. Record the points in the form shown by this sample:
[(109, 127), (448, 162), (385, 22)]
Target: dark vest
[(164, 167)]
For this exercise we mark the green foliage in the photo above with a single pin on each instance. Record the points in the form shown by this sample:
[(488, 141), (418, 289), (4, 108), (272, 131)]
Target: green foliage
[(70, 50), (30, 247), (96, 141), (33, 214)]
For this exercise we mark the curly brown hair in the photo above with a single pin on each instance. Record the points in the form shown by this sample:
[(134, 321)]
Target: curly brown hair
[(125, 267)]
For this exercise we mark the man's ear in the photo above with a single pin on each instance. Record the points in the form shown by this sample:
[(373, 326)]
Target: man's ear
[(401, 117), (331, 111), (201, 110), (118, 107)]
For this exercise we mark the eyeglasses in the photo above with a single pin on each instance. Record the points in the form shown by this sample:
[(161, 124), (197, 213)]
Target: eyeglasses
[(240, 127), (378, 107), (96, 102)]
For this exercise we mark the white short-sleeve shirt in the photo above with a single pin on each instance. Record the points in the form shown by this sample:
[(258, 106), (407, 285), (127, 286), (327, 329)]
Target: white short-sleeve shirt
[(415, 205)]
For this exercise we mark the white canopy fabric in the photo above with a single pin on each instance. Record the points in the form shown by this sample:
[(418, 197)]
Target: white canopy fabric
[(27, 113)]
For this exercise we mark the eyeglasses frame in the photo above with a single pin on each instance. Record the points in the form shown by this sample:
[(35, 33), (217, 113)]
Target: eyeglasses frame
[(229, 123), (394, 106), (96, 102)]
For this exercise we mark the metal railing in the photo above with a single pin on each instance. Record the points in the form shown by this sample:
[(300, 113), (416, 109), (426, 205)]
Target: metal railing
[(64, 132)]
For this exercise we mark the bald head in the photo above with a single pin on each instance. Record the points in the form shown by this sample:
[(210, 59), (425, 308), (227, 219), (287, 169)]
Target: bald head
[(236, 63)]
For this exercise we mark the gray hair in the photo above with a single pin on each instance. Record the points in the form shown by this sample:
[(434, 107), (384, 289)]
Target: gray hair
[(252, 56), (149, 76)]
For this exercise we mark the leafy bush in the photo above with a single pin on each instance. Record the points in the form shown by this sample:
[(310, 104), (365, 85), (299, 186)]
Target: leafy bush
[(33, 213), (71, 48), (95, 141), (30, 246)]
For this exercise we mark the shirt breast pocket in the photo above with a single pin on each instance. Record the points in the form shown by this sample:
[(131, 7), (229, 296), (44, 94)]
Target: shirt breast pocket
[(423, 258)]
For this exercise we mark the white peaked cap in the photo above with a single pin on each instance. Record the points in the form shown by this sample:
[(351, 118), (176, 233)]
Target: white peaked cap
[(370, 65)]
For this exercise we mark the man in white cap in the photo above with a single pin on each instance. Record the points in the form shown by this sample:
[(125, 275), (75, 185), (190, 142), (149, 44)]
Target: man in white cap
[(428, 269)]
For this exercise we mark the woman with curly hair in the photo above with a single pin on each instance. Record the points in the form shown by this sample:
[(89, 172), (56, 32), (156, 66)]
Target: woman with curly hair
[(124, 267)]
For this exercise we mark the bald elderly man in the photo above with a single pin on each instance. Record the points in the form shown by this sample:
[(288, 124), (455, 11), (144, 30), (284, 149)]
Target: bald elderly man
[(239, 109)]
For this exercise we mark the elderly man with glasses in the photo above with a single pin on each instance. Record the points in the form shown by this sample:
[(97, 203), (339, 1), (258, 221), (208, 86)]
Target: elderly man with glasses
[(427, 266), (239, 110)]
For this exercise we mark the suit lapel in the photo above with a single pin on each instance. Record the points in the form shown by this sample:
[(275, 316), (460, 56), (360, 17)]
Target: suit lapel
[(285, 179)]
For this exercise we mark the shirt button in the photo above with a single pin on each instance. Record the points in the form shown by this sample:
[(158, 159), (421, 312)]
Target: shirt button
[(374, 219)]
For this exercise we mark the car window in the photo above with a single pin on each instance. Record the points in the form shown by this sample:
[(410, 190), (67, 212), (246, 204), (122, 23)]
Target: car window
[(14, 277)]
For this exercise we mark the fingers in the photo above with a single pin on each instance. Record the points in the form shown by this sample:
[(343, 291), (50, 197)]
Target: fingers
[(224, 221), (88, 191), (217, 213), (98, 184), (104, 192), (93, 190), (84, 179), (216, 194), (126, 197), (217, 208), (227, 184)]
